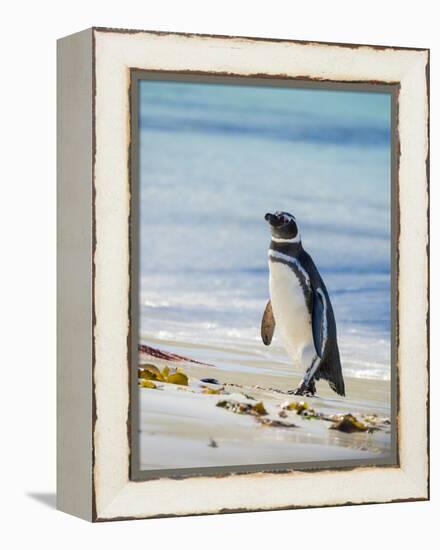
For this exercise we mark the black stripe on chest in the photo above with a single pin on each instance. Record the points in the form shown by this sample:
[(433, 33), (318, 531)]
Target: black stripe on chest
[(304, 283)]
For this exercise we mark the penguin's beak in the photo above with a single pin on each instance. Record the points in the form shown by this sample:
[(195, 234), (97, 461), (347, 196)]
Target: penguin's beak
[(274, 220)]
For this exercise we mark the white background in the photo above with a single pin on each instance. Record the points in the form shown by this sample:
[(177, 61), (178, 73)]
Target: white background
[(27, 286)]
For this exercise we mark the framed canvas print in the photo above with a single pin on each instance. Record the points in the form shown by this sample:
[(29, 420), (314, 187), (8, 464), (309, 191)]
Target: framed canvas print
[(243, 274)]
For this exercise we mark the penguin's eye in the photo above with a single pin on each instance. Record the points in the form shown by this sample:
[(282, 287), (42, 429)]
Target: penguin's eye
[(284, 218)]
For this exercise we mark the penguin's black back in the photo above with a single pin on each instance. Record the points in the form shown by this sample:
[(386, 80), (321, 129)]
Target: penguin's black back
[(330, 368)]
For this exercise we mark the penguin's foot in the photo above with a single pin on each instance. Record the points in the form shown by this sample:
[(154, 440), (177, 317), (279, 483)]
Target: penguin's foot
[(306, 390), (302, 392)]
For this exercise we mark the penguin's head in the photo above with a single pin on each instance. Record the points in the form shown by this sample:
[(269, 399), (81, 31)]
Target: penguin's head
[(283, 227)]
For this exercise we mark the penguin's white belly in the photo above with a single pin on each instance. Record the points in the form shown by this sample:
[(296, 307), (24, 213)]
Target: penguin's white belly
[(292, 317)]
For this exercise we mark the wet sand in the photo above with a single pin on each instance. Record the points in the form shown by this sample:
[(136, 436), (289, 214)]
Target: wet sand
[(183, 426)]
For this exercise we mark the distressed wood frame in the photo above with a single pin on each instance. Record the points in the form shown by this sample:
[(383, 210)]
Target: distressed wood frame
[(94, 213)]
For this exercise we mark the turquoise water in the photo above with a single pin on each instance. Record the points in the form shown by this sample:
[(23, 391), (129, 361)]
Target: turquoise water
[(213, 160)]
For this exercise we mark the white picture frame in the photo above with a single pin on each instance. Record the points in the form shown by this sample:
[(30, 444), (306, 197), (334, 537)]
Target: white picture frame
[(94, 266)]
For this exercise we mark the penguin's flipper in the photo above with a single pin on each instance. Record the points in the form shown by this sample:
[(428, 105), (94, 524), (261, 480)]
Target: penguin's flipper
[(267, 325), (318, 321)]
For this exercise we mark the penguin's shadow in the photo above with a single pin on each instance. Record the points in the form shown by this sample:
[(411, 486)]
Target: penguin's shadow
[(48, 499)]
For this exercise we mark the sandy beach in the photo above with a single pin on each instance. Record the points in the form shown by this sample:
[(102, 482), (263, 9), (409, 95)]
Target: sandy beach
[(214, 424)]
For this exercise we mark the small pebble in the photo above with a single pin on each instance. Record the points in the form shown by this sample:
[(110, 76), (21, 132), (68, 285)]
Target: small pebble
[(210, 380)]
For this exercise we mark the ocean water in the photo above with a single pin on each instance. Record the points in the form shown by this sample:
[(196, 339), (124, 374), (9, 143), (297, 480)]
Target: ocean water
[(213, 160)]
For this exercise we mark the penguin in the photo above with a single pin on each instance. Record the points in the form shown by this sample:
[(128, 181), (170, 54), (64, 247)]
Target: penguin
[(300, 308)]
